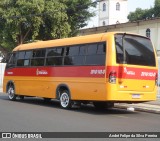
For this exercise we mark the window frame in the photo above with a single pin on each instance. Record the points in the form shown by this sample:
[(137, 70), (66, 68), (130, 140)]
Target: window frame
[(24, 58), (63, 56), (14, 64), (36, 58)]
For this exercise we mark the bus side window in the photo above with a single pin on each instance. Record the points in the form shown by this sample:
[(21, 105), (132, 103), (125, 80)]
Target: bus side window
[(38, 57), (55, 56), (39, 53), (72, 57), (12, 60), (23, 58), (101, 48), (83, 50), (96, 54)]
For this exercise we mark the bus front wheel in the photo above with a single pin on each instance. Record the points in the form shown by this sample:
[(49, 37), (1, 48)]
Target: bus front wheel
[(11, 93), (65, 100)]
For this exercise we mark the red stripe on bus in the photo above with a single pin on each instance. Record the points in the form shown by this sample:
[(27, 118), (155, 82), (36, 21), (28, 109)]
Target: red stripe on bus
[(79, 71), (133, 73), (84, 71)]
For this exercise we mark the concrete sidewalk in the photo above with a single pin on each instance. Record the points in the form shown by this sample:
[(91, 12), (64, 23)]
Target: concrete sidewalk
[(152, 107)]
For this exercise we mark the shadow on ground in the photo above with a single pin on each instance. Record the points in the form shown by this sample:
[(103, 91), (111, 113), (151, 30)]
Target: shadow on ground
[(89, 108)]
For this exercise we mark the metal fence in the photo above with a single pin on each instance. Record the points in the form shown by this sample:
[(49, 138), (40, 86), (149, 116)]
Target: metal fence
[(2, 68)]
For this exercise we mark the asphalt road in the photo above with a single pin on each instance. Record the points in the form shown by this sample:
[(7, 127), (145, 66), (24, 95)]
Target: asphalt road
[(33, 115)]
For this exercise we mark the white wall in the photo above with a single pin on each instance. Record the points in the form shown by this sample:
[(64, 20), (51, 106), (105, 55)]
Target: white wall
[(111, 15), (103, 15), (2, 68), (114, 15)]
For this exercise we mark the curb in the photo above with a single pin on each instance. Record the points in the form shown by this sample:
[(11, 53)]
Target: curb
[(141, 109)]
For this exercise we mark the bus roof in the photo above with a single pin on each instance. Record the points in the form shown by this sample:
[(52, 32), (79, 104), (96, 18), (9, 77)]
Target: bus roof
[(65, 41)]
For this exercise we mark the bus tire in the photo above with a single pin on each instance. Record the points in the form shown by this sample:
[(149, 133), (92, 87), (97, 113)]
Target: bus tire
[(11, 92), (65, 100)]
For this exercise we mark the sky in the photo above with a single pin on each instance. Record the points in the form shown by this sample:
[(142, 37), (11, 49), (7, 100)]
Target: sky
[(144, 4), (132, 5)]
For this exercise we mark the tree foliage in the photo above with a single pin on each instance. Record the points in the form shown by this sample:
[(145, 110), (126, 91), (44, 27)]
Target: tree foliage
[(137, 15), (81, 8), (143, 14), (23, 21), (157, 8)]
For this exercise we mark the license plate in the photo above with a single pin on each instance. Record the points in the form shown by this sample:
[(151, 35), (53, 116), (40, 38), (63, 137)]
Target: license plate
[(136, 96)]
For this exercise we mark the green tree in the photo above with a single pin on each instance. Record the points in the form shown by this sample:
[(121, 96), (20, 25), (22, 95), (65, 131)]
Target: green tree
[(23, 21), (78, 14), (137, 15), (141, 14), (157, 8), (55, 21)]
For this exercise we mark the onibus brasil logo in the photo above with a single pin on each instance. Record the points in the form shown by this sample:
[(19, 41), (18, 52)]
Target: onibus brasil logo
[(129, 72), (41, 72)]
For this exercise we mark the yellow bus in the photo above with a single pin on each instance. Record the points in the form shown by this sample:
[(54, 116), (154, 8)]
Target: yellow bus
[(102, 69)]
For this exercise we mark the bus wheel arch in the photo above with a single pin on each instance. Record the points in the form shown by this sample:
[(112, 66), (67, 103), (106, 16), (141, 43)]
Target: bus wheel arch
[(64, 96), (10, 90)]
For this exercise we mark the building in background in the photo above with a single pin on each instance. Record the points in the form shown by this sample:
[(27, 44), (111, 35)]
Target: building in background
[(112, 12)]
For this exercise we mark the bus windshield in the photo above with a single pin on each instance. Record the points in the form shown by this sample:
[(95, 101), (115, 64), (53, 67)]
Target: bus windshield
[(138, 50)]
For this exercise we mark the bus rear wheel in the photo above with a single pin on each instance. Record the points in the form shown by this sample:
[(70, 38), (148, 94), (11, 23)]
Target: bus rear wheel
[(11, 93), (65, 100)]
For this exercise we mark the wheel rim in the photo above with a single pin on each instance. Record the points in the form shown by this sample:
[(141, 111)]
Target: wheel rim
[(64, 99), (11, 93)]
